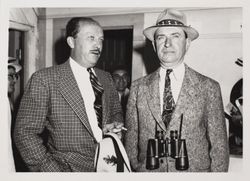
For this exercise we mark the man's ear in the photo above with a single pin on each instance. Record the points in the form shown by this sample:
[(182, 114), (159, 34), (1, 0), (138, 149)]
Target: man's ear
[(153, 44), (71, 42), (188, 42)]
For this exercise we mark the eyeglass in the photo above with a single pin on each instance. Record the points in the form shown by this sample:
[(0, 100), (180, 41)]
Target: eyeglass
[(13, 76)]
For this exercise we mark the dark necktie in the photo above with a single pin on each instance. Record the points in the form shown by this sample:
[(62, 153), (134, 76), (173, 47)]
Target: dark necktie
[(168, 100), (98, 90)]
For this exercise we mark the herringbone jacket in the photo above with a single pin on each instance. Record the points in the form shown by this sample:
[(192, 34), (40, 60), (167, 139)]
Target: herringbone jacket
[(203, 126)]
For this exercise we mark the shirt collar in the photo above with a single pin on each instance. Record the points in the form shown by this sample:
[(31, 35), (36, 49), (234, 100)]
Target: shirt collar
[(178, 72), (76, 67)]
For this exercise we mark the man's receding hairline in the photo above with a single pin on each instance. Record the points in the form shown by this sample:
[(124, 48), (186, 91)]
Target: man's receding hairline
[(84, 23)]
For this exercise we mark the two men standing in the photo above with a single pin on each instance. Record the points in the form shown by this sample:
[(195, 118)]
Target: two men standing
[(61, 99)]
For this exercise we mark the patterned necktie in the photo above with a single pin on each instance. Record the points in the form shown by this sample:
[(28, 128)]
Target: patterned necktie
[(168, 100), (98, 90)]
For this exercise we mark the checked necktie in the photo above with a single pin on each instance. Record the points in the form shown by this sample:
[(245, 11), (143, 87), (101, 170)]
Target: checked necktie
[(98, 91), (168, 100)]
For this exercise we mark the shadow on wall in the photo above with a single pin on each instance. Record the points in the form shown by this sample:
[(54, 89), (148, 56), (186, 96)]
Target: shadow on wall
[(62, 51), (150, 58)]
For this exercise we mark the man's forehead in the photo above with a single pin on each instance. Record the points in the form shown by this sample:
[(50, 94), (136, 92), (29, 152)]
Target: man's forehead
[(84, 24), (169, 30)]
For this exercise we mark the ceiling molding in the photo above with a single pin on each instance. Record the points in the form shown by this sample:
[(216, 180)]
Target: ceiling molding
[(52, 13)]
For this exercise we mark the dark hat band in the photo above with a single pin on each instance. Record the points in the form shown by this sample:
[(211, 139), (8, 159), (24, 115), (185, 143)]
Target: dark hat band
[(169, 22)]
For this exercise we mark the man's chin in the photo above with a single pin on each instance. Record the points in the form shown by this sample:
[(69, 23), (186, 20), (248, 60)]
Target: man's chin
[(10, 92), (94, 61)]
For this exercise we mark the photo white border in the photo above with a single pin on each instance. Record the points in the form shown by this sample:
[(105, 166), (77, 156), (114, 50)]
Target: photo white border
[(5, 5)]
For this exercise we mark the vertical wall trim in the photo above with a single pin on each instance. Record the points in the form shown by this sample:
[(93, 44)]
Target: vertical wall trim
[(49, 43)]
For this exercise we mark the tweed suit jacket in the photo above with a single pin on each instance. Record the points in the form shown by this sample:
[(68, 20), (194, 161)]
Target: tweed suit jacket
[(203, 127), (53, 100)]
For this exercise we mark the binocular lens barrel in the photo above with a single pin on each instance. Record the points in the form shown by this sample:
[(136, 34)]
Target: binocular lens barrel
[(181, 162), (152, 161)]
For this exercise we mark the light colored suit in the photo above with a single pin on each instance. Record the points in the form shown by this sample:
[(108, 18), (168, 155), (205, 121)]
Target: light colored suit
[(53, 100), (203, 123)]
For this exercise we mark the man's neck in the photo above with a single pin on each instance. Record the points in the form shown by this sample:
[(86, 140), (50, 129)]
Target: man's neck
[(121, 92)]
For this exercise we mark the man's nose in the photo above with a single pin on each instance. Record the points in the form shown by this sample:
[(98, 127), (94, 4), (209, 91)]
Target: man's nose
[(98, 43), (14, 80), (168, 42), (121, 80)]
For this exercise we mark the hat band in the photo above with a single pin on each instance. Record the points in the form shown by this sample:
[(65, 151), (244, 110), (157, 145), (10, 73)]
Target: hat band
[(169, 22)]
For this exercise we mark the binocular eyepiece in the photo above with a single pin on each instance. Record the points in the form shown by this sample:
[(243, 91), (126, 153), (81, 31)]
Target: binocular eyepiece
[(169, 147)]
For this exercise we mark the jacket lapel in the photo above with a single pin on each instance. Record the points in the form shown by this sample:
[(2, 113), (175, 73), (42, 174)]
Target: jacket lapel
[(71, 93), (153, 97), (189, 92)]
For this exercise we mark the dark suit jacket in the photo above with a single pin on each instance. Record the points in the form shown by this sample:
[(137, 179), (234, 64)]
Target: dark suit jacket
[(53, 100), (203, 124)]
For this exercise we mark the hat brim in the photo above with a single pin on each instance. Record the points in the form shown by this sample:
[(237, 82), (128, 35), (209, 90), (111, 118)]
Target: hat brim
[(16, 66), (191, 32)]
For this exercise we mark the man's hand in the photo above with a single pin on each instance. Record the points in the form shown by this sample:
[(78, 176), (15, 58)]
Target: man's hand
[(115, 127)]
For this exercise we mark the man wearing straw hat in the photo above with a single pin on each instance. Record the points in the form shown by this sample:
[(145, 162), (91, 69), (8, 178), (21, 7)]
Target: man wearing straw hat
[(13, 69), (158, 101)]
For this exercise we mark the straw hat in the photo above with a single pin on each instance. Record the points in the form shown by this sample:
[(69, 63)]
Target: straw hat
[(171, 18), (111, 156), (14, 63)]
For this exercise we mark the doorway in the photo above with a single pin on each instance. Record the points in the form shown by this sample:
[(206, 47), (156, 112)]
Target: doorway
[(117, 50), (16, 49)]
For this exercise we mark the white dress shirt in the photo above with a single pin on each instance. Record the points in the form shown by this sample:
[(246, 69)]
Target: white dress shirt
[(82, 78), (176, 79)]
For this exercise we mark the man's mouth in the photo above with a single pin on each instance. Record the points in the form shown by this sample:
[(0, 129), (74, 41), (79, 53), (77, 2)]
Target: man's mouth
[(168, 51), (96, 52)]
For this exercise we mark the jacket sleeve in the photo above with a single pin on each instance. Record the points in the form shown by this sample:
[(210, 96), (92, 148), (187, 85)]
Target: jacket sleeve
[(216, 130), (115, 105), (131, 123), (31, 121)]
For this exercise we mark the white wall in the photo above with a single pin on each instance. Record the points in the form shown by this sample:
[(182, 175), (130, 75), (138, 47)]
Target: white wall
[(25, 19)]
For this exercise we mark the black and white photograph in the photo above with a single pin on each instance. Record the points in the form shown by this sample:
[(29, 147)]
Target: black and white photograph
[(97, 88)]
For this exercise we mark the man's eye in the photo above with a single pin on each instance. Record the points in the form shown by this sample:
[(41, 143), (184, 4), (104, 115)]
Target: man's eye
[(116, 76), (91, 37), (176, 35), (160, 37)]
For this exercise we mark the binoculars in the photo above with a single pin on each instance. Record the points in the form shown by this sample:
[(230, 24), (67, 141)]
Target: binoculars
[(174, 147)]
